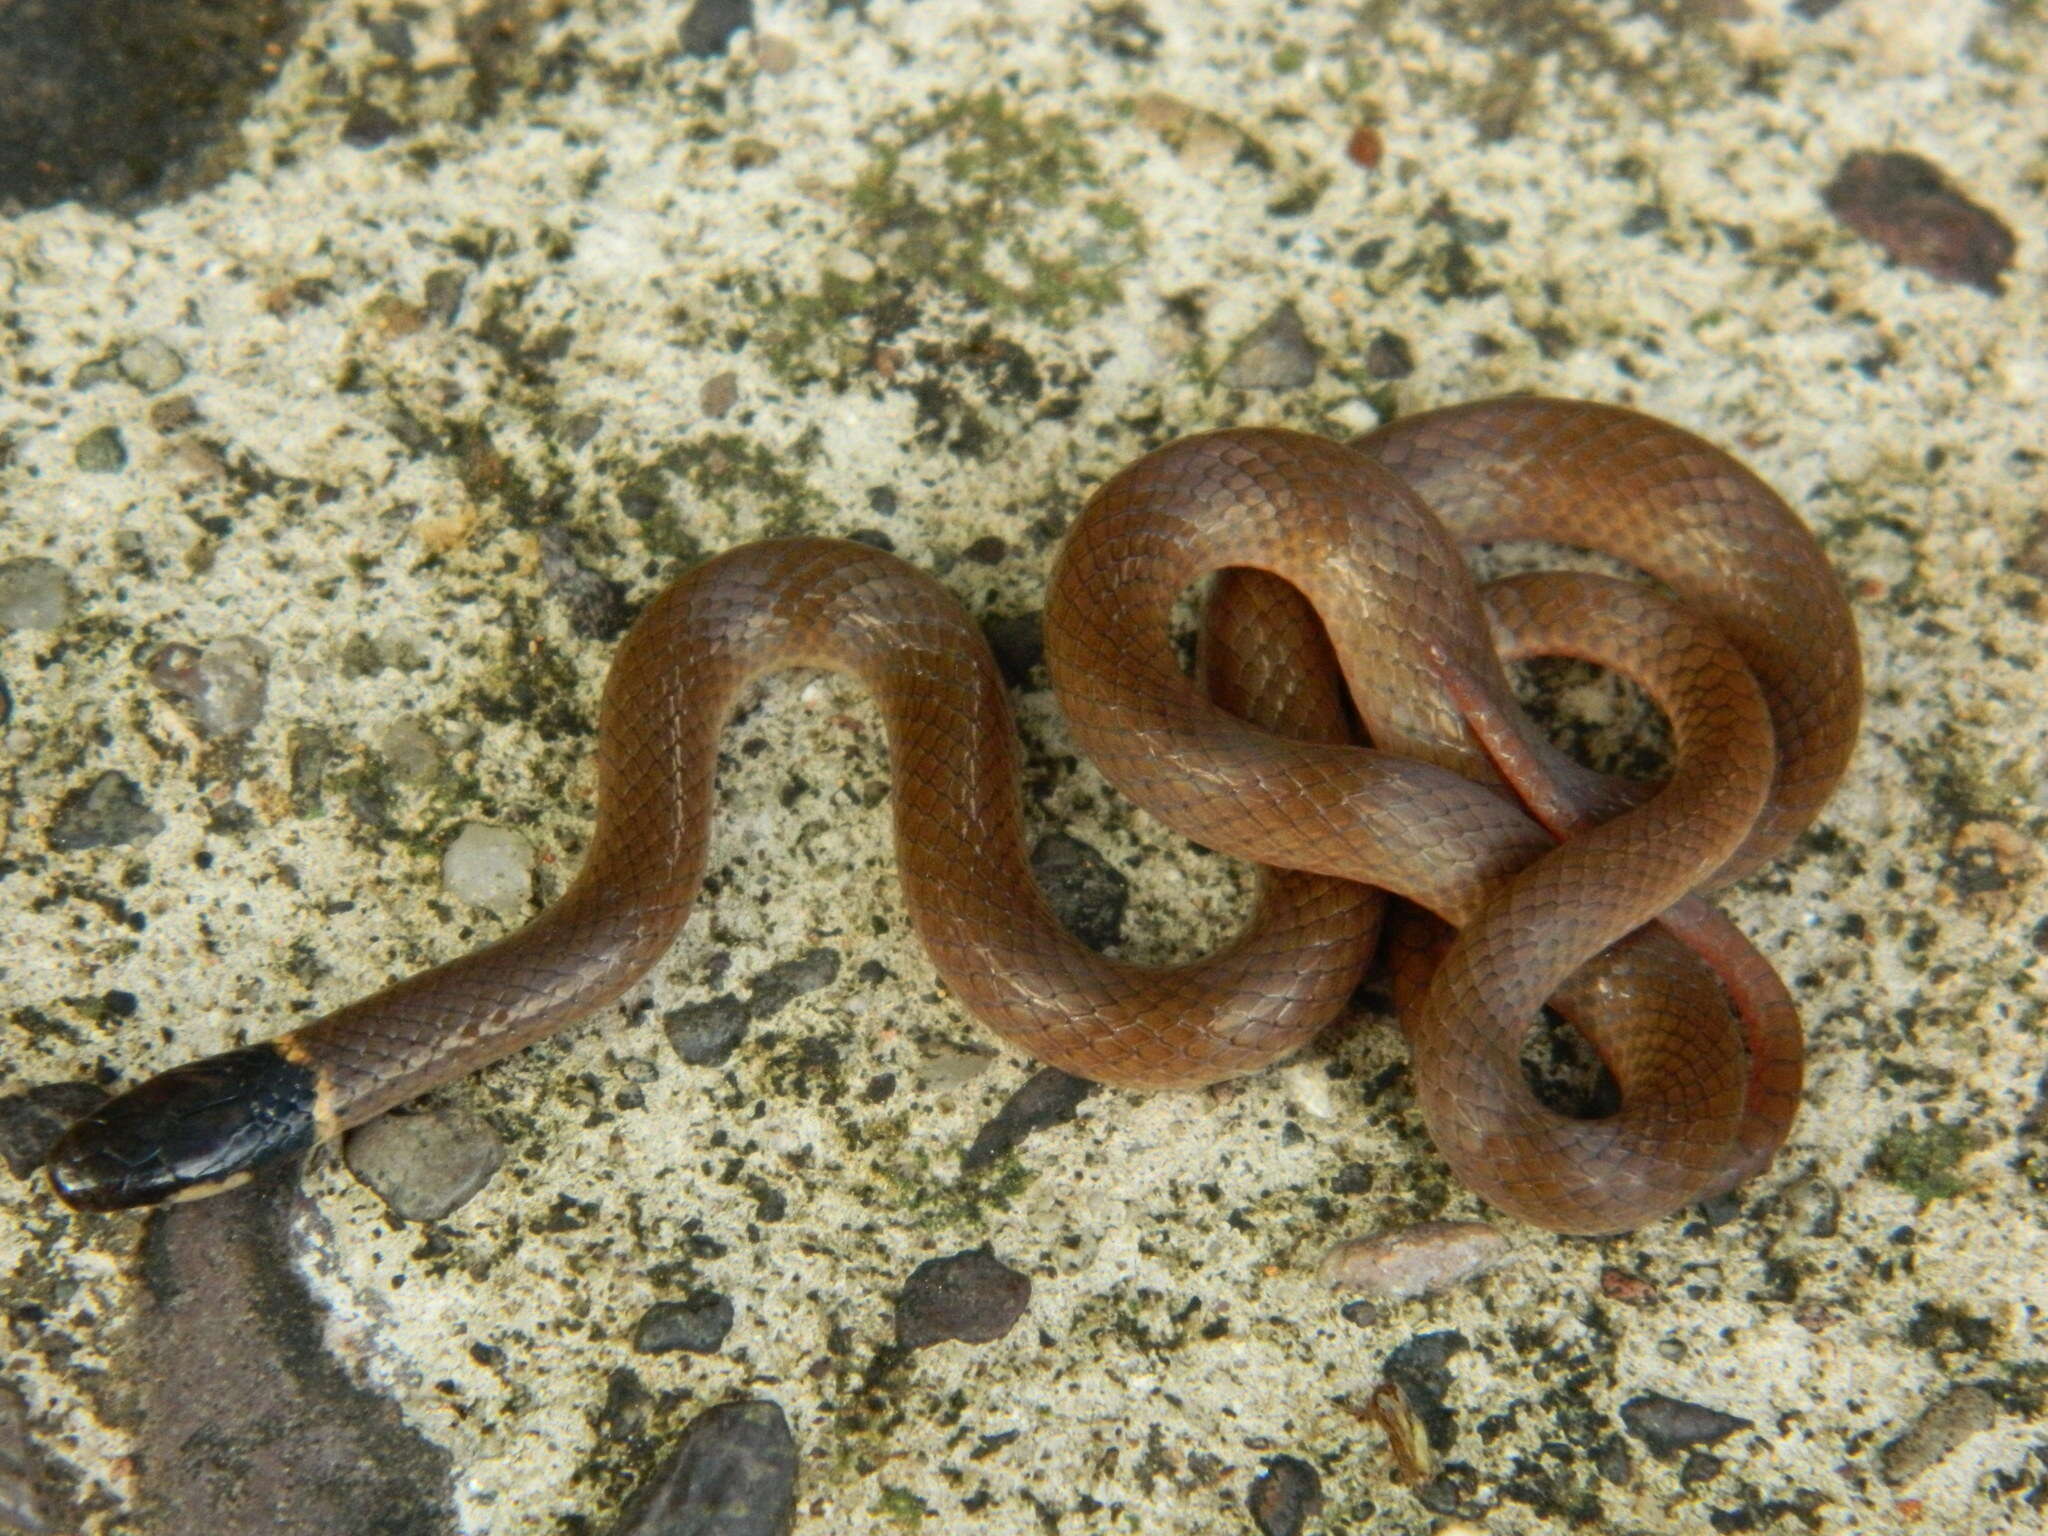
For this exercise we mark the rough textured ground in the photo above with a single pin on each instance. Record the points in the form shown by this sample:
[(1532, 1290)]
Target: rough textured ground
[(510, 302)]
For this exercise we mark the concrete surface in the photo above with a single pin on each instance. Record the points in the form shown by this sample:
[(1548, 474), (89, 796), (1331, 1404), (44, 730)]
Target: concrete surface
[(933, 270)]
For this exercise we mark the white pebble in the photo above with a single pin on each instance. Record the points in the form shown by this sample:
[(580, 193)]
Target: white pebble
[(34, 594), (150, 365), (1308, 1089), (489, 867)]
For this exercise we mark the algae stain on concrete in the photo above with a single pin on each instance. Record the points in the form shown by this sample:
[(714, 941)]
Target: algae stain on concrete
[(977, 203)]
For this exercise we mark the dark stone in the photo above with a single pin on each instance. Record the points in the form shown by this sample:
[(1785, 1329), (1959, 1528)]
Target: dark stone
[(1611, 1459), (1352, 1179), (698, 1324), (1285, 1497), (987, 551), (596, 604), (1018, 640), (368, 125), (973, 1297), (708, 29), (1700, 1467), (732, 1474), (101, 451), (1668, 1425), (1387, 356), (107, 813), (32, 1120), (1906, 205), (228, 1353), (118, 102), (1049, 1097), (1084, 891), (786, 980), (705, 1034)]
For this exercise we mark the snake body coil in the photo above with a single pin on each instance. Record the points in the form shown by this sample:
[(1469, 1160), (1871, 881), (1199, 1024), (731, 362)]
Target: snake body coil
[(1525, 878)]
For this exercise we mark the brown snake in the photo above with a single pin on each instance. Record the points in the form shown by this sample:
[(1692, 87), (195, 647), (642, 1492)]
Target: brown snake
[(1567, 888)]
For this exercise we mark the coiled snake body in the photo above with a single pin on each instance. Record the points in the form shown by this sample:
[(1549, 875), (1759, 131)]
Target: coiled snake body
[(1540, 881)]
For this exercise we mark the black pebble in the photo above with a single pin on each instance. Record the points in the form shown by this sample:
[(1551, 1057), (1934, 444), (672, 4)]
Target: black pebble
[(1668, 1425), (787, 980), (733, 1473), (973, 1297), (1285, 1496), (1047, 1098), (704, 1034), (698, 1324), (708, 29)]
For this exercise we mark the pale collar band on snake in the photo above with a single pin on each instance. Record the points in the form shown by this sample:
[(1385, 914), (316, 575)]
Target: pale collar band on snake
[(1523, 879)]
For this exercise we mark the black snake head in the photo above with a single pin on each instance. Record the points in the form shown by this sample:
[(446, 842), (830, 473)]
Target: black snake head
[(195, 1130)]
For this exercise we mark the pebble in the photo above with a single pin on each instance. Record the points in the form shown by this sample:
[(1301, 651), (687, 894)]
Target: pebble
[(1421, 1260), (1387, 356), (1084, 891), (1275, 354), (705, 1034), (697, 1324), (733, 1474), (223, 687), (786, 980), (101, 451), (424, 1166), (1308, 1089), (720, 394), (1909, 207), (1049, 1097), (489, 867), (946, 1068), (1668, 1425), (33, 1119), (596, 604), (1285, 1496), (107, 813), (708, 29), (414, 753), (973, 1297), (1951, 1419), (151, 366), (34, 594)]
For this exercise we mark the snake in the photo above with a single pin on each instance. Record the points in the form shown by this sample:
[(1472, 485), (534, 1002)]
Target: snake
[(1349, 726)]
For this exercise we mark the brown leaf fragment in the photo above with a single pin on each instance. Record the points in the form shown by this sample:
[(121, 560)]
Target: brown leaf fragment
[(1407, 1435)]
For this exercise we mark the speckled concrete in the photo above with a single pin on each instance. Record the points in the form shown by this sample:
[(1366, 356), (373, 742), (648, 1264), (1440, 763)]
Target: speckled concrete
[(931, 271)]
